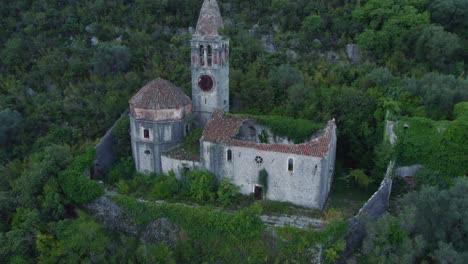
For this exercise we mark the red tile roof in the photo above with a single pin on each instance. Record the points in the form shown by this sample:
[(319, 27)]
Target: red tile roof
[(222, 129), (159, 94), (210, 20)]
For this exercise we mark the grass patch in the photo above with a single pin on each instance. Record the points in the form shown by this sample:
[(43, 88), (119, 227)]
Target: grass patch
[(437, 145), (190, 147), (297, 130), (211, 235)]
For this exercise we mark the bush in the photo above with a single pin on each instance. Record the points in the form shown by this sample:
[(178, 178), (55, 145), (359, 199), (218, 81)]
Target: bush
[(227, 192), (263, 179), (166, 187), (199, 186), (77, 188)]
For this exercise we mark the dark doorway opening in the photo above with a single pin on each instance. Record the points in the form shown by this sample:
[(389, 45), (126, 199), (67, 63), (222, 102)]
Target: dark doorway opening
[(258, 192)]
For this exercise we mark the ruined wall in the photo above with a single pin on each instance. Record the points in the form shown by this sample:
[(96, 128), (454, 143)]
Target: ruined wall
[(303, 186), (373, 209), (105, 157), (177, 166)]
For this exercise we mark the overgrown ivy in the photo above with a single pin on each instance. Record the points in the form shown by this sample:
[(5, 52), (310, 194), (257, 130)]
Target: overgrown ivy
[(211, 234), (297, 130), (438, 145)]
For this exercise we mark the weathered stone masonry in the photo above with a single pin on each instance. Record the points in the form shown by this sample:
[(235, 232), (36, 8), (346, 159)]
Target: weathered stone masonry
[(230, 147)]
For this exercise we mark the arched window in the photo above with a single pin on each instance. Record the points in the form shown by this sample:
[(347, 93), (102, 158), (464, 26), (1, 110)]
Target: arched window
[(229, 155), (209, 57), (290, 165), (202, 55), (146, 133)]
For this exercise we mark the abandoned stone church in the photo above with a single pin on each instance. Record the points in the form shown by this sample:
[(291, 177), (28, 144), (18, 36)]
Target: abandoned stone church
[(161, 116)]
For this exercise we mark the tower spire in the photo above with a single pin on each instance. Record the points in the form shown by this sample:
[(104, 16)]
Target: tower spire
[(210, 20)]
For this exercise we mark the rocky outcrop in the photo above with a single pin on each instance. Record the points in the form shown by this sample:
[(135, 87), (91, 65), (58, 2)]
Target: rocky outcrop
[(113, 218), (354, 53)]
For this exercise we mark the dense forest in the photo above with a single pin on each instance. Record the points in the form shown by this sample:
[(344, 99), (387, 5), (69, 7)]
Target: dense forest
[(68, 69)]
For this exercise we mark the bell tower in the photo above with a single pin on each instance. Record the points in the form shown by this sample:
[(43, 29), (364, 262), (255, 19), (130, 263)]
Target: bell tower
[(210, 64)]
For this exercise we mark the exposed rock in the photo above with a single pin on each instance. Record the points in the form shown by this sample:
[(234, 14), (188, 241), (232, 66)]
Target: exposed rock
[(253, 30), (229, 22), (268, 43), (112, 217), (191, 30), (294, 43), (293, 220), (407, 171), (30, 92), (354, 53), (90, 28), (94, 41), (166, 30), (119, 39), (332, 56), (181, 31), (390, 133), (291, 55)]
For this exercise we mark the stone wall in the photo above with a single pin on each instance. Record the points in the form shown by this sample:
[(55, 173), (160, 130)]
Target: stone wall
[(163, 136), (306, 185), (373, 209), (177, 166), (105, 156)]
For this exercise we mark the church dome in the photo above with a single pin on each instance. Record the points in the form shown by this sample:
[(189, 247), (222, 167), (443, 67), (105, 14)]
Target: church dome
[(160, 100)]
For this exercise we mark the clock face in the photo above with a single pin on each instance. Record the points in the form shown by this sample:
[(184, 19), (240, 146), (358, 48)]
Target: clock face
[(205, 83)]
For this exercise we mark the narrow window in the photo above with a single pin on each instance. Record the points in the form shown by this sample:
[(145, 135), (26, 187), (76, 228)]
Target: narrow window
[(146, 133), (202, 55), (220, 56), (187, 129), (205, 100), (290, 165), (209, 59), (229, 155)]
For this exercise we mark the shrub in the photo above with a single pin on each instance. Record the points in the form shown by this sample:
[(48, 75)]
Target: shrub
[(360, 177), (263, 179), (122, 187), (227, 192), (199, 186), (77, 188), (166, 187)]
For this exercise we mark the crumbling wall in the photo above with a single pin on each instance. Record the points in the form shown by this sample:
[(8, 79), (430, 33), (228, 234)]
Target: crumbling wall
[(105, 156), (372, 209)]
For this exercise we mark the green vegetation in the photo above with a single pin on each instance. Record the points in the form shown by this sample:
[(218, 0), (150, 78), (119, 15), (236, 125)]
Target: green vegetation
[(230, 238), (297, 130), (75, 186), (437, 145), (68, 69), (430, 229), (190, 147), (263, 179)]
